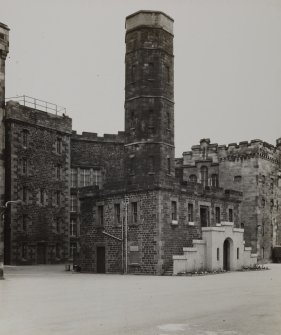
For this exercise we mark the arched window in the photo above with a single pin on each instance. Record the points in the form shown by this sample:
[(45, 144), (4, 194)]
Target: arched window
[(204, 175), (214, 180), (193, 178)]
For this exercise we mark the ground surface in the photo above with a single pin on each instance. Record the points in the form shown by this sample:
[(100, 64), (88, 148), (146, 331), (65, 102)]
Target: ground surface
[(47, 300)]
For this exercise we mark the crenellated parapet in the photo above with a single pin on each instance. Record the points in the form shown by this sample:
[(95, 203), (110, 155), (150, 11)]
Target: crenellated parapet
[(212, 152), (88, 136)]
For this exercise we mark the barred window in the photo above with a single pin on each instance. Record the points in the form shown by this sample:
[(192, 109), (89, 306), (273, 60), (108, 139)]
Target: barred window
[(204, 175), (85, 177), (117, 214), (134, 212), (24, 135), (73, 227), (230, 215), (190, 213), (174, 210), (97, 178), (59, 145), (218, 214), (100, 215), (73, 203), (73, 178), (215, 180)]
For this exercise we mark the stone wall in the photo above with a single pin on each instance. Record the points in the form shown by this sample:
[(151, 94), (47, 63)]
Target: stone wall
[(38, 166), (252, 168)]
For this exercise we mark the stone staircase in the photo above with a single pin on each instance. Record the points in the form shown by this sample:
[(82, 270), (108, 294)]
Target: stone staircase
[(168, 271)]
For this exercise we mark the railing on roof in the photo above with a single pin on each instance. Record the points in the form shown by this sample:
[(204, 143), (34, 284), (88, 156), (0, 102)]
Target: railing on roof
[(39, 104)]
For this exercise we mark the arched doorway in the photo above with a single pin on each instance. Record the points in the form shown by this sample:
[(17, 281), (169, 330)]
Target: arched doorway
[(226, 254)]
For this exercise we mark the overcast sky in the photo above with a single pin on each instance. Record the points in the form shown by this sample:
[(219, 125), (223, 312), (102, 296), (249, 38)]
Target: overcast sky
[(227, 63)]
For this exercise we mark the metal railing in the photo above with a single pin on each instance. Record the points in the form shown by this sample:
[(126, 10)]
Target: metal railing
[(39, 104)]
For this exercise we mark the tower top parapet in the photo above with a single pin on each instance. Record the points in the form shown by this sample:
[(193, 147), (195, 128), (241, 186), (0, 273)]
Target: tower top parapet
[(151, 19)]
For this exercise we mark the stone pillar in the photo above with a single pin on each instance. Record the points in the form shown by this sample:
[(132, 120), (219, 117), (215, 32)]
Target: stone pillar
[(4, 49)]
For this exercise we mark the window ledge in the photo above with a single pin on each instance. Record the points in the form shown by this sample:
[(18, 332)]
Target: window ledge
[(134, 264), (174, 222)]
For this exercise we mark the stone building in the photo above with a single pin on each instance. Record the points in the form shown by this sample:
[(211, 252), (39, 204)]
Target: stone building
[(137, 222), (122, 202), (37, 173), (252, 168)]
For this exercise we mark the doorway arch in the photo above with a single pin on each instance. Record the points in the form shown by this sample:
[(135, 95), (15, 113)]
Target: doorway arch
[(227, 252)]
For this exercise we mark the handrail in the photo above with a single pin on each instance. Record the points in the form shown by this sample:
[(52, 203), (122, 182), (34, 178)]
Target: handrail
[(39, 104)]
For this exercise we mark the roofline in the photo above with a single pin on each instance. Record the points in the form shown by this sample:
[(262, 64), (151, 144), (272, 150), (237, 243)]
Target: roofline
[(150, 11), (2, 25)]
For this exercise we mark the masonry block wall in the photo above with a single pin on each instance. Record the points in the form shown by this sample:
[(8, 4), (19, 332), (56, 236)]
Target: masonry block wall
[(38, 170), (252, 168), (149, 97), (4, 49)]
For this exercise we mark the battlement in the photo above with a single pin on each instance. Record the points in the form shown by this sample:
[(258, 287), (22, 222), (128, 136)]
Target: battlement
[(213, 152), (88, 136)]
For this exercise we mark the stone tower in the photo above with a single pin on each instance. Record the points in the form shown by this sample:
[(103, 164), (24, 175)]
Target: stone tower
[(4, 49), (149, 98)]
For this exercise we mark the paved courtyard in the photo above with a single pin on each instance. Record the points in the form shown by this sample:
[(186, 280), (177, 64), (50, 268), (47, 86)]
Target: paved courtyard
[(47, 300)]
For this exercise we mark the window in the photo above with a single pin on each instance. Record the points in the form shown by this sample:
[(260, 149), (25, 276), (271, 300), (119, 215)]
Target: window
[(84, 177), (218, 254), (271, 204), (117, 216), (73, 203), (174, 210), (150, 70), (193, 178), (169, 165), (133, 73), (97, 178), (42, 196), (262, 252), (24, 194), (100, 216), (272, 184), (204, 153), (73, 249), (24, 250), (218, 214), (24, 166), (132, 120), (230, 215), (58, 224), (214, 180), (73, 178), (237, 253), (204, 175), (59, 145), (73, 227), (58, 250), (58, 198), (167, 73), (150, 164), (190, 213), (24, 135), (24, 222), (263, 202), (168, 116), (262, 227), (58, 171), (132, 165), (134, 212), (242, 225), (237, 179), (263, 179)]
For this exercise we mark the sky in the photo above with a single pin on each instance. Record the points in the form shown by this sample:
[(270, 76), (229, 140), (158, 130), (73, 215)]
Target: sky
[(227, 63)]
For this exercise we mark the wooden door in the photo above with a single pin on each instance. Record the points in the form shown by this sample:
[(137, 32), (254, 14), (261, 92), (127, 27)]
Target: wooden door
[(100, 259)]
